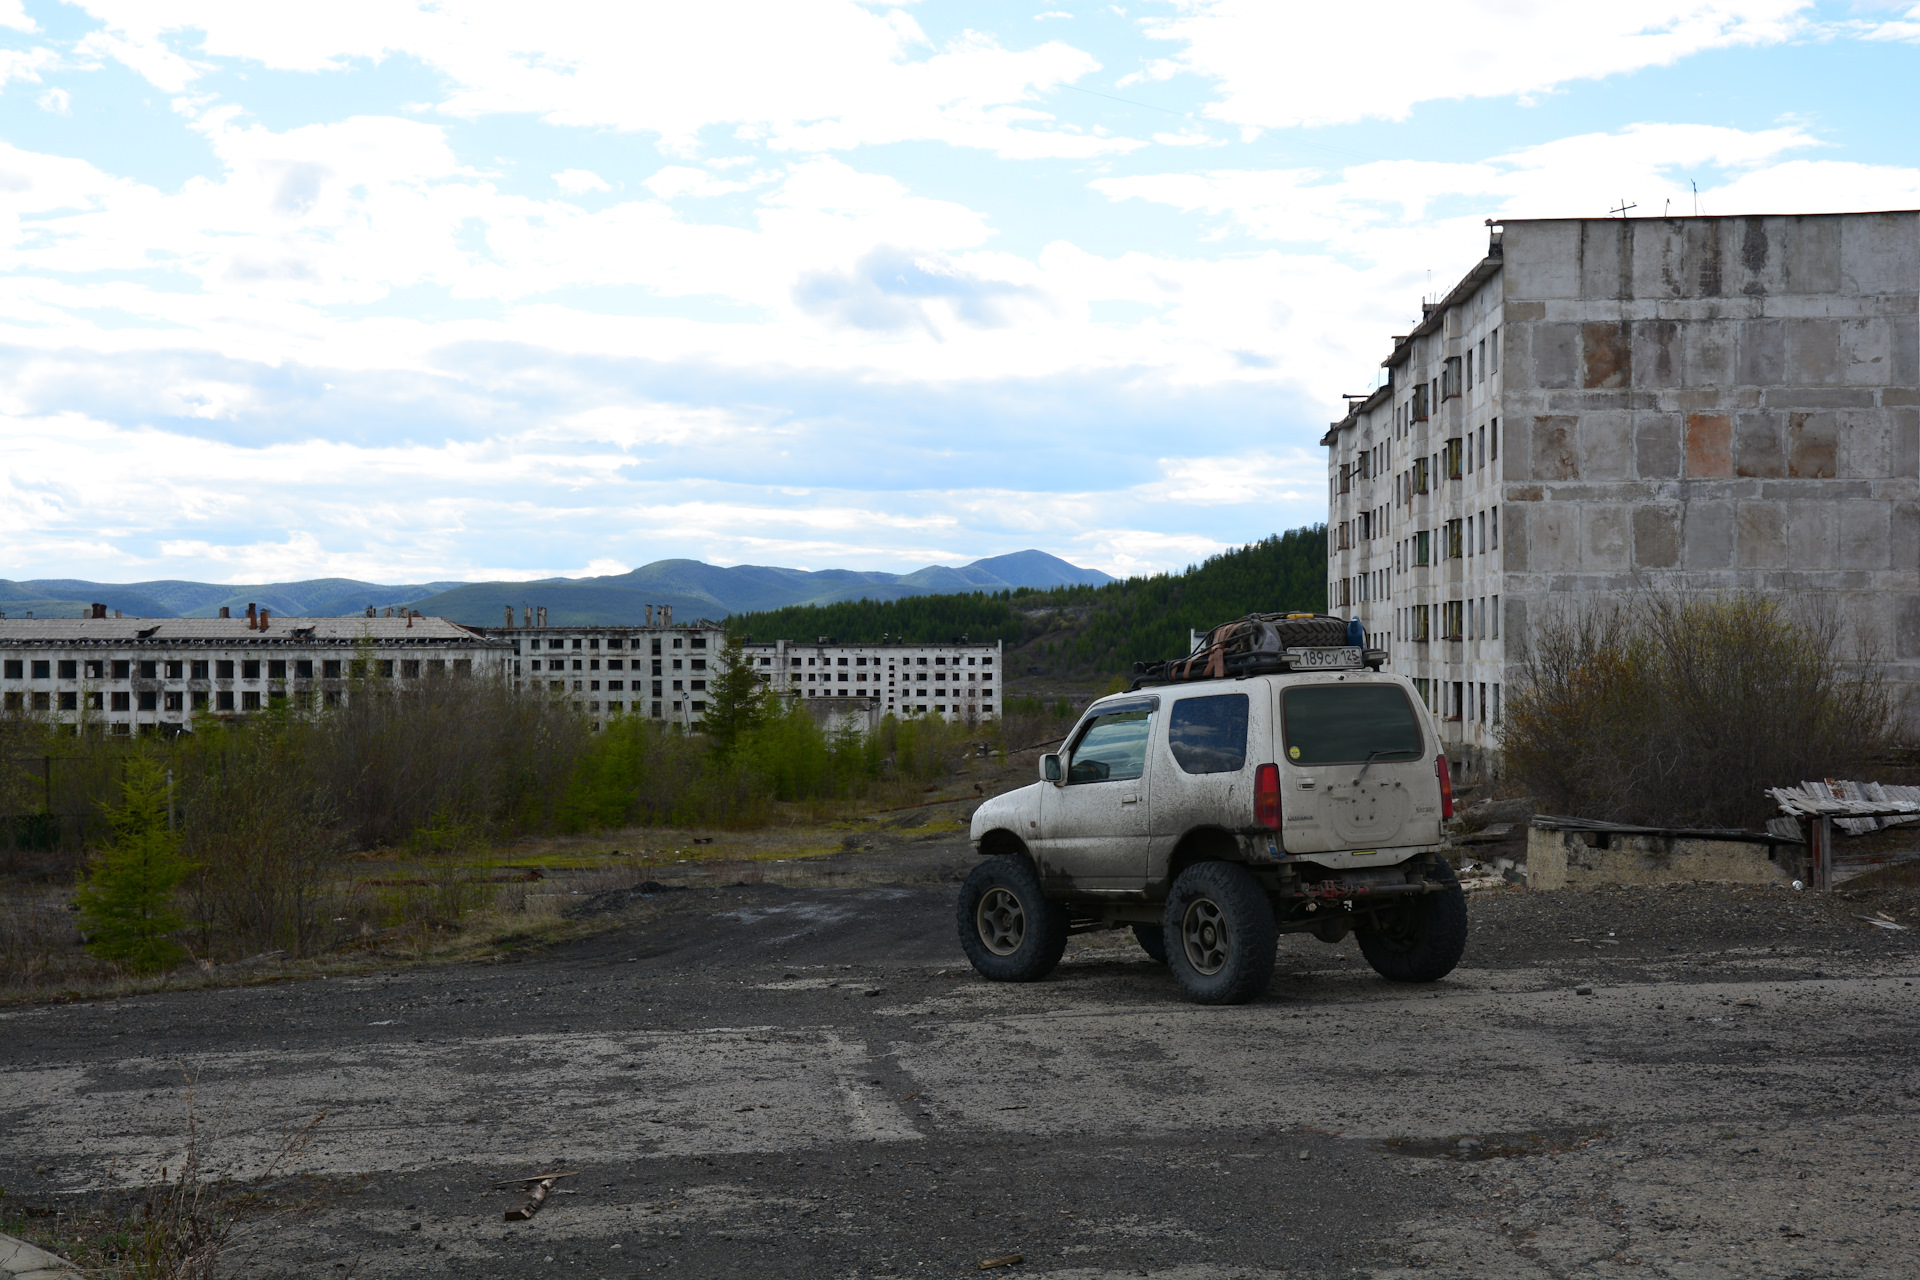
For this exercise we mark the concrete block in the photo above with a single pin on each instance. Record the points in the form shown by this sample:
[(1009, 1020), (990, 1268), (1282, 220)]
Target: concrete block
[(1658, 354), (1513, 536), (1810, 534), (1554, 447), (1812, 254), (1606, 249), (1556, 354), (1813, 353), (1755, 257), (1658, 259), (1606, 354), (1903, 443), (1879, 253), (1903, 533), (1903, 345), (1707, 535), (1566, 859), (1813, 446), (1760, 535), (1656, 446), (1865, 351), (1709, 446), (1542, 260), (1656, 537), (1865, 441), (1711, 347), (1606, 446), (1819, 397), (1553, 538), (1518, 312), (1607, 538), (1706, 260), (1762, 352), (1757, 445), (1863, 528), (1906, 628)]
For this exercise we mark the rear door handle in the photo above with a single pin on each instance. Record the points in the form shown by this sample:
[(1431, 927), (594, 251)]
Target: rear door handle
[(1129, 799)]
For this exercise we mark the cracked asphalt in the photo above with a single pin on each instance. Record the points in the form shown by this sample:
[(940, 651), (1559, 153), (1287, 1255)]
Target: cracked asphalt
[(810, 1082)]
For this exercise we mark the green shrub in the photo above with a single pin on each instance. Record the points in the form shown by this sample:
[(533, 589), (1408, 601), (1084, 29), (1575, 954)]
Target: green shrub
[(126, 903)]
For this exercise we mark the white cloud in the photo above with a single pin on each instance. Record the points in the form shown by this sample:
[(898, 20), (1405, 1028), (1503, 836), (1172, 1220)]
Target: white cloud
[(1284, 65), (575, 182), (800, 74)]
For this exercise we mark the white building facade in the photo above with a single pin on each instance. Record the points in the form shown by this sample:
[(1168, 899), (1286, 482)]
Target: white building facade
[(130, 676), (660, 672), (955, 681)]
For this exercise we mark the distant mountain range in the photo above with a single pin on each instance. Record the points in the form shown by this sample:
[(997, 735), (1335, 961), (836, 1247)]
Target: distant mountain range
[(693, 589)]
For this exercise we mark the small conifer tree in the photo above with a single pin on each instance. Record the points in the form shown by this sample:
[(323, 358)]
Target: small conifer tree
[(736, 700), (126, 902)]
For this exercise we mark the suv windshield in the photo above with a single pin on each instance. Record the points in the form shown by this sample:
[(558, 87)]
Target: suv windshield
[(1348, 723)]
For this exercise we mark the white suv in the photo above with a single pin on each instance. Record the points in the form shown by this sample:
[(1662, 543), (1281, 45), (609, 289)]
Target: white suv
[(1213, 815)]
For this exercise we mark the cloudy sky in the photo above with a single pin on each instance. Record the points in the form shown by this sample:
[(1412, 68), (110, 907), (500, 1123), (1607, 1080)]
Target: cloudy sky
[(408, 290)]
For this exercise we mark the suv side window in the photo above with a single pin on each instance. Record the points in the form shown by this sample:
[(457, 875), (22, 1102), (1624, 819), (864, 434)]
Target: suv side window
[(1209, 735), (1349, 724), (1113, 745)]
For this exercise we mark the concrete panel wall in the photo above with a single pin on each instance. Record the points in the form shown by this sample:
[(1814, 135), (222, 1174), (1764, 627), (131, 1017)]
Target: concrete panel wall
[(1717, 403)]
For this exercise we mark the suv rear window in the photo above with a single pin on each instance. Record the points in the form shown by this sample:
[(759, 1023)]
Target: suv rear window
[(1209, 735), (1348, 723)]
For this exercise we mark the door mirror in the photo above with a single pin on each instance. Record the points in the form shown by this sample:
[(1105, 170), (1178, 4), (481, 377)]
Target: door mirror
[(1050, 768)]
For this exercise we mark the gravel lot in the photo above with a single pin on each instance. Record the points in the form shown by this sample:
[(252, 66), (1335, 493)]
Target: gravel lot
[(773, 1080)]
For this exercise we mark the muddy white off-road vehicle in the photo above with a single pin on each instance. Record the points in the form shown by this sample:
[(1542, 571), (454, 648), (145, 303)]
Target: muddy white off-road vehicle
[(1212, 811)]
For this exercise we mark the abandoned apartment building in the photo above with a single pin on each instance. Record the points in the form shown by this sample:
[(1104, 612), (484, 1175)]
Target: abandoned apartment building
[(662, 670), (1604, 405), (659, 670), (131, 676)]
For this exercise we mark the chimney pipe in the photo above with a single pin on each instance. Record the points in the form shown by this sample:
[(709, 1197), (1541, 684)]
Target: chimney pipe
[(369, 611), (253, 616), (264, 615), (543, 617), (225, 612), (99, 611), (669, 609), (528, 616), (509, 618), (410, 616), (649, 615)]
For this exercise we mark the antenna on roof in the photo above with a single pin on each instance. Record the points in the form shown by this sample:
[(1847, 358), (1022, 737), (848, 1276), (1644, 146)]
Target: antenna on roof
[(1624, 206)]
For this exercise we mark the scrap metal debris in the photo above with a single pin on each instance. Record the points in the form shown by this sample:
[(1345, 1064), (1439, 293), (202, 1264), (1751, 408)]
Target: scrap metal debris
[(1004, 1260), (542, 1186)]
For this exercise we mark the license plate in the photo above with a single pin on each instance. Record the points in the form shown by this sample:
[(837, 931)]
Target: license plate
[(1309, 659)]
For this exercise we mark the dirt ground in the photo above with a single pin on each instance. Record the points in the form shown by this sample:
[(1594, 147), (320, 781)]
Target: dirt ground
[(805, 1079)]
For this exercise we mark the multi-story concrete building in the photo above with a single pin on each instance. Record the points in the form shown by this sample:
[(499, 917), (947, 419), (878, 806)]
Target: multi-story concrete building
[(956, 681), (663, 671), (659, 671), (152, 675), (1605, 404)]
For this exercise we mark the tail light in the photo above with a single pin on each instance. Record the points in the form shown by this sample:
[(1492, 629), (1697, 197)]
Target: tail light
[(1446, 786), (1266, 796)]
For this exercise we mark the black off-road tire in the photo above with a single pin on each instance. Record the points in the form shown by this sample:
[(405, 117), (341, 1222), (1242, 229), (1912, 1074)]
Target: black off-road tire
[(1153, 940), (1008, 929), (1220, 935), (1424, 939)]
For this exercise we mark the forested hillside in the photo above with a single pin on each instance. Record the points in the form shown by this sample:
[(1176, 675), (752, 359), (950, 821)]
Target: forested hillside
[(1081, 631)]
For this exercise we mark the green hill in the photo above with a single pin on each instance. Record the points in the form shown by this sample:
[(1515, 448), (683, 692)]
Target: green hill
[(1081, 630)]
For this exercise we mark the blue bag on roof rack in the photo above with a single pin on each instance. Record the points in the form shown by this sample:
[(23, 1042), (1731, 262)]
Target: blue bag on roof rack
[(1267, 643)]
